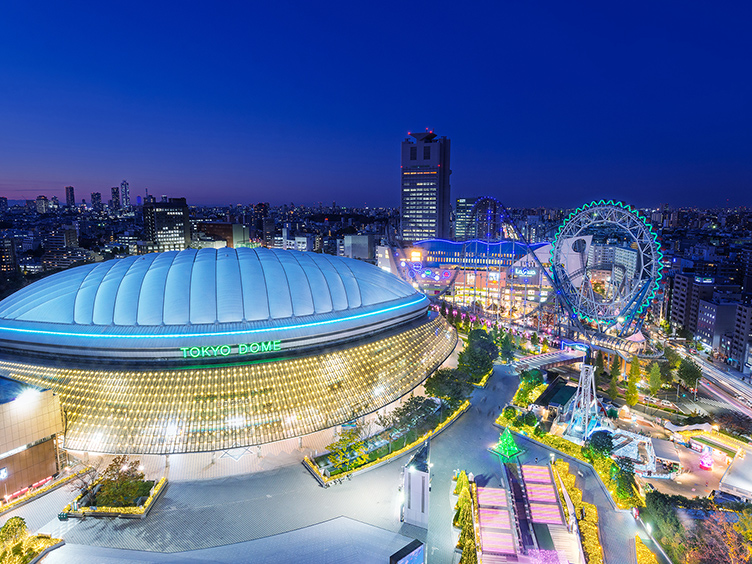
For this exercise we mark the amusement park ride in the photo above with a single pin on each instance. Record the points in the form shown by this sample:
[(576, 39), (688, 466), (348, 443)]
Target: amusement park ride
[(603, 268)]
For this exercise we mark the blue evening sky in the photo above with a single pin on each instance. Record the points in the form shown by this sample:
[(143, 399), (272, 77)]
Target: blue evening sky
[(546, 103)]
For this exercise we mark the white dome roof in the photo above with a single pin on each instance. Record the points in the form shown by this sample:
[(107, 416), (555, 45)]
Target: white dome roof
[(154, 306), (208, 286)]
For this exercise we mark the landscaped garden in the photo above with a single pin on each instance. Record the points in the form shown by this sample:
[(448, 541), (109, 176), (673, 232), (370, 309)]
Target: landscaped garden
[(17, 546), (120, 489), (617, 476)]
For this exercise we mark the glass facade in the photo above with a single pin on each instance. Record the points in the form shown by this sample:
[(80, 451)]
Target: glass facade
[(208, 408)]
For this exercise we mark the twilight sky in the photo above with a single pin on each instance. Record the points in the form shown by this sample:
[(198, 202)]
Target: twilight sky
[(547, 103)]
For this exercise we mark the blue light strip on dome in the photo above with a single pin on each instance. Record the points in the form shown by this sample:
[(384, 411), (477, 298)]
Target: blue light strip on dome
[(217, 333)]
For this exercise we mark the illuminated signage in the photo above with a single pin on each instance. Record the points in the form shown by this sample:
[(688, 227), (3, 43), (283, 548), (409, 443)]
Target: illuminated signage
[(231, 350), (524, 271), (3, 473)]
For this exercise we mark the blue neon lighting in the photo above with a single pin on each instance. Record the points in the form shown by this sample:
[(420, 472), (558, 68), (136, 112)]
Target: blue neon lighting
[(216, 333)]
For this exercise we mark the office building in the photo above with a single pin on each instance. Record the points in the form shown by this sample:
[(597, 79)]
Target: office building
[(96, 201), (8, 261), (425, 204), (462, 219), (3, 204), (740, 356), (70, 197), (167, 225), (358, 247), (234, 234), (42, 204), (125, 194), (115, 205), (687, 292), (715, 318), (66, 236)]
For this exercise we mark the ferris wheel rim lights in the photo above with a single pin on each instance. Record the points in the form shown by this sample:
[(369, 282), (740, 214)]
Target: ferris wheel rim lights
[(644, 226)]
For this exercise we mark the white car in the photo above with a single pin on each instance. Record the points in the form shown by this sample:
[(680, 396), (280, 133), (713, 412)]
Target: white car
[(666, 403)]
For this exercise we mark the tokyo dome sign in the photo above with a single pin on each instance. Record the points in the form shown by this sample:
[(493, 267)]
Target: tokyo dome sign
[(230, 350)]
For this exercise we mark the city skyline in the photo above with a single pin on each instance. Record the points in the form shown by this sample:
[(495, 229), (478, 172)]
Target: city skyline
[(563, 103)]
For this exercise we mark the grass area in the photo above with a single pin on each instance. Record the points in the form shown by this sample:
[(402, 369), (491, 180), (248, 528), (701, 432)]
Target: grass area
[(712, 444)]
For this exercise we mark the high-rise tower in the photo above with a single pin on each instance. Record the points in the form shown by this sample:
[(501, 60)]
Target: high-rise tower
[(96, 201), (425, 174), (115, 191), (463, 213), (125, 194), (70, 197)]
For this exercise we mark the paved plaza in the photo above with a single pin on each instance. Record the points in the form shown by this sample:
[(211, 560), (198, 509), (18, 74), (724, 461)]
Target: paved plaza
[(221, 520)]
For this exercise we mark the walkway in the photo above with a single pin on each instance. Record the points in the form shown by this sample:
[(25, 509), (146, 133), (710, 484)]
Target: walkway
[(202, 515)]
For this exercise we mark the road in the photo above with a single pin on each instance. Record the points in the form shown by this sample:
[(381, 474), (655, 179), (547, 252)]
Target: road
[(724, 385)]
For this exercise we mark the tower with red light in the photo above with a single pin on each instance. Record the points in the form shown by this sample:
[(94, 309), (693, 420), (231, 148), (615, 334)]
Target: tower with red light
[(425, 204)]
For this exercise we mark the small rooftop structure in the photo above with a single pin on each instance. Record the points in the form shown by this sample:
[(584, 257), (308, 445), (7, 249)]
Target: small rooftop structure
[(666, 451), (738, 477)]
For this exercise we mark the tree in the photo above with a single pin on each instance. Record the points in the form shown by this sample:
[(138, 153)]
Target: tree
[(615, 368), (625, 482), (414, 409), (716, 541), (474, 362), (689, 373), (389, 422), (530, 419), (462, 483), (535, 340), (13, 530), (469, 552), (613, 388), (121, 483), (463, 499), (509, 413), (348, 450), (672, 357), (453, 386), (654, 379), (600, 365), (744, 525), (480, 339), (634, 370), (601, 443), (735, 422), (465, 522), (507, 347), (632, 395)]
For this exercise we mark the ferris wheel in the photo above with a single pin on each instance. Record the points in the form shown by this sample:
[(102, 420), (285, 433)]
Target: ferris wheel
[(606, 265)]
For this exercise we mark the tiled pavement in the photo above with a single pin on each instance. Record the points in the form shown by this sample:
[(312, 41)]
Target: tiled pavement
[(339, 541), (196, 515)]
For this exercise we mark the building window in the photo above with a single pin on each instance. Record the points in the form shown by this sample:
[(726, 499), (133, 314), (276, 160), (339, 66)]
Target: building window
[(426, 152), (413, 153)]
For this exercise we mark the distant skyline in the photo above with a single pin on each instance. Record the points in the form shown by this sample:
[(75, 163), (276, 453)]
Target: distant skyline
[(551, 103)]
